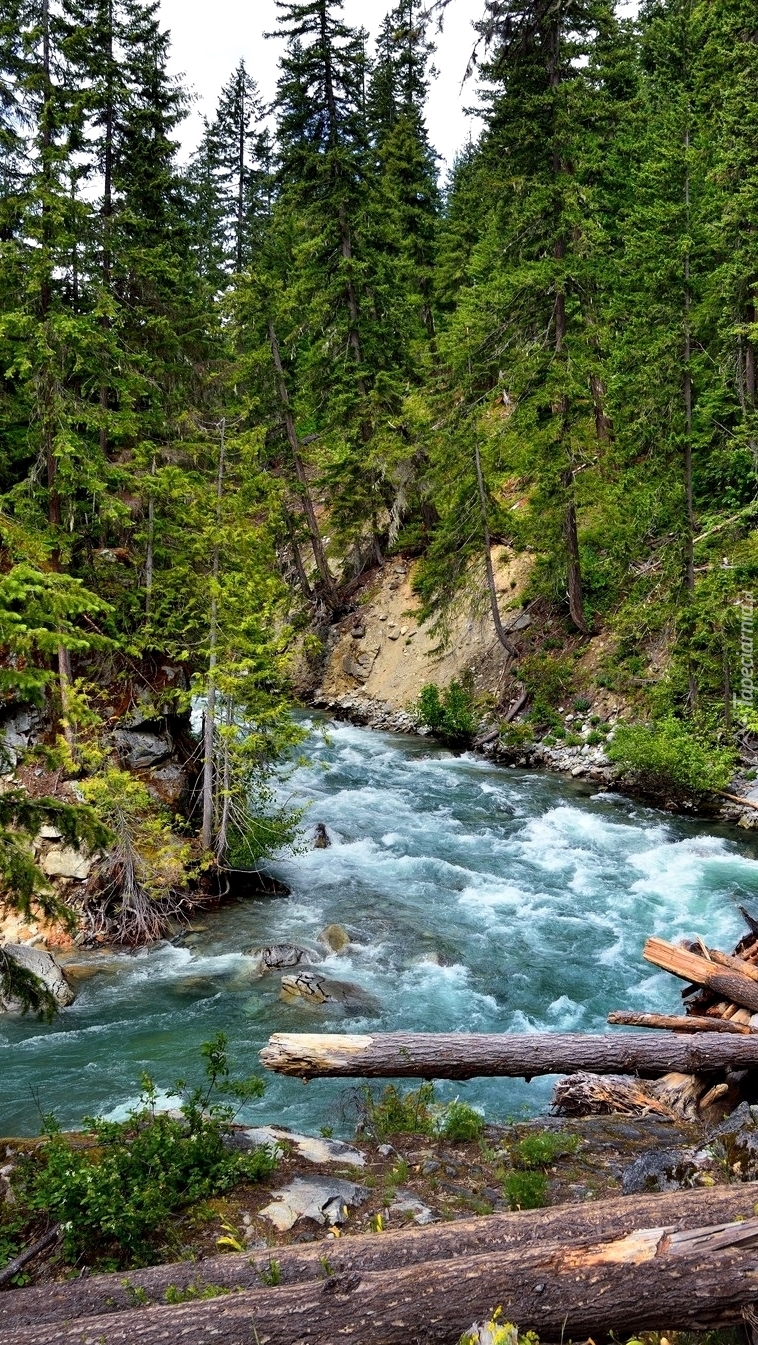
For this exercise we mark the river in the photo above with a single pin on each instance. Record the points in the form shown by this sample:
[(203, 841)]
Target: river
[(477, 898)]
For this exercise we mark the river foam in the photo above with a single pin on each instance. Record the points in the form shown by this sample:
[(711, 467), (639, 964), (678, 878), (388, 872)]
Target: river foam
[(476, 899)]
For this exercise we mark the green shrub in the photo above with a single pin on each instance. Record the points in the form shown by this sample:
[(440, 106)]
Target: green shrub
[(593, 738), (669, 756), (525, 1190), (396, 1113), (547, 679), (582, 703), (461, 1123), (118, 1198), (450, 714), (542, 1148)]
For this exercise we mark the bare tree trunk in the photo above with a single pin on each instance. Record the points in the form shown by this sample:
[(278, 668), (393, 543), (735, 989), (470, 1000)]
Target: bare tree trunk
[(319, 555), (523, 1232), (494, 606), (149, 549), (460, 1055), (209, 722)]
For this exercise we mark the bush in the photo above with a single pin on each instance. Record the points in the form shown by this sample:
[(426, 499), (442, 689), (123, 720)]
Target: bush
[(525, 1190), (396, 1113), (461, 1123), (450, 715), (669, 757), (541, 1149), (119, 1197)]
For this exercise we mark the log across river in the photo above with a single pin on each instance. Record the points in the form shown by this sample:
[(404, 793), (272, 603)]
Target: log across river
[(477, 899)]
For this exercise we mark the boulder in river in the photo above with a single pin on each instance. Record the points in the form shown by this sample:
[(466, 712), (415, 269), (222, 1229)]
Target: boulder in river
[(315, 989), (321, 839), (47, 970), (335, 938), (276, 955)]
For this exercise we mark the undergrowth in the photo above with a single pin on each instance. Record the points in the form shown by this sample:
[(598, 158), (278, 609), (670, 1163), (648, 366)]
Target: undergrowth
[(116, 1199)]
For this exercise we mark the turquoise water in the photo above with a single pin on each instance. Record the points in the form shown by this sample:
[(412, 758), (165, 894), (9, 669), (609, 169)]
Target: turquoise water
[(478, 899)]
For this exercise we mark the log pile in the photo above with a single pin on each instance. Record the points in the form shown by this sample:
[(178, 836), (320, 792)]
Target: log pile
[(720, 996)]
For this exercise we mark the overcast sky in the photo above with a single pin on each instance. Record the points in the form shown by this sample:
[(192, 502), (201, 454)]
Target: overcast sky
[(210, 36)]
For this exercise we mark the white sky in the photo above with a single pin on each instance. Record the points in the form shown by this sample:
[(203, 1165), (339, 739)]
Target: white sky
[(208, 40)]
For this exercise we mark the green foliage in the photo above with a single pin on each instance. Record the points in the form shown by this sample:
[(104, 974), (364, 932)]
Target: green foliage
[(525, 1189), (450, 714), (542, 1148), (397, 1113), (461, 1124), (670, 756), (193, 1293), (498, 1332), (120, 1197)]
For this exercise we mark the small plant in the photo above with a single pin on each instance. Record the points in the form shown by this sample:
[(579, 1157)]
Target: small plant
[(230, 1237), (399, 1172), (525, 1190), (582, 703), (192, 1292), (497, 1332), (593, 738), (450, 714), (396, 1113), (461, 1123), (271, 1274), (542, 1148), (326, 1132)]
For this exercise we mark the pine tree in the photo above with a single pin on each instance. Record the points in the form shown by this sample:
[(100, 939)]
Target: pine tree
[(241, 151)]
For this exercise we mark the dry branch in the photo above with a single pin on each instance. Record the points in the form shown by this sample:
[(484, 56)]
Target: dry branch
[(732, 985)]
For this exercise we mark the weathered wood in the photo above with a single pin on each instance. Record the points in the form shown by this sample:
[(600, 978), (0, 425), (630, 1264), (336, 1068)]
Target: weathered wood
[(460, 1055), (652, 1278), (735, 986), (615, 1218), (678, 1023), (738, 964), (48, 1239)]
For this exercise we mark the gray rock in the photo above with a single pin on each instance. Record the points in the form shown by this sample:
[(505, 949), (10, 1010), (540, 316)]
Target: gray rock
[(321, 839), (659, 1170), (315, 1149), (314, 989), (65, 862), (326, 1200), (408, 1206), (168, 783), (46, 968), (140, 749), (277, 955)]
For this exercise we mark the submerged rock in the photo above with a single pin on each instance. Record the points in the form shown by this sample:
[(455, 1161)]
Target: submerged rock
[(315, 989), (335, 938), (47, 970), (276, 955), (326, 1200)]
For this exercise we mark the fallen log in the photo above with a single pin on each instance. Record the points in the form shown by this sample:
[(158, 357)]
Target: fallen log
[(98, 1295), (732, 985), (461, 1055), (696, 1278), (678, 1023), (48, 1239)]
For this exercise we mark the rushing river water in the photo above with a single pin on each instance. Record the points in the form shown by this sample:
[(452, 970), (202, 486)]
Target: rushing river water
[(477, 899)]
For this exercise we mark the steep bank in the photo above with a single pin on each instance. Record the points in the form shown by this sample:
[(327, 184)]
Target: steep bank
[(379, 656)]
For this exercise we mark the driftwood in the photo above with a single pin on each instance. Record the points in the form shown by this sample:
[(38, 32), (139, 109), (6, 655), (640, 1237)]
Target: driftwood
[(98, 1295), (678, 1023), (733, 985), (453, 1055), (653, 1277)]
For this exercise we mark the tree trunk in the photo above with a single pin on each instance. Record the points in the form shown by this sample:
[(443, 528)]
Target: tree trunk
[(734, 985), (319, 555), (209, 721), (625, 1018), (651, 1278), (494, 606), (460, 1055), (524, 1232)]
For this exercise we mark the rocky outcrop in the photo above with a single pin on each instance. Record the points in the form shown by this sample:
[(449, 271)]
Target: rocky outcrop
[(47, 970), (316, 990), (274, 956), (325, 1200)]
